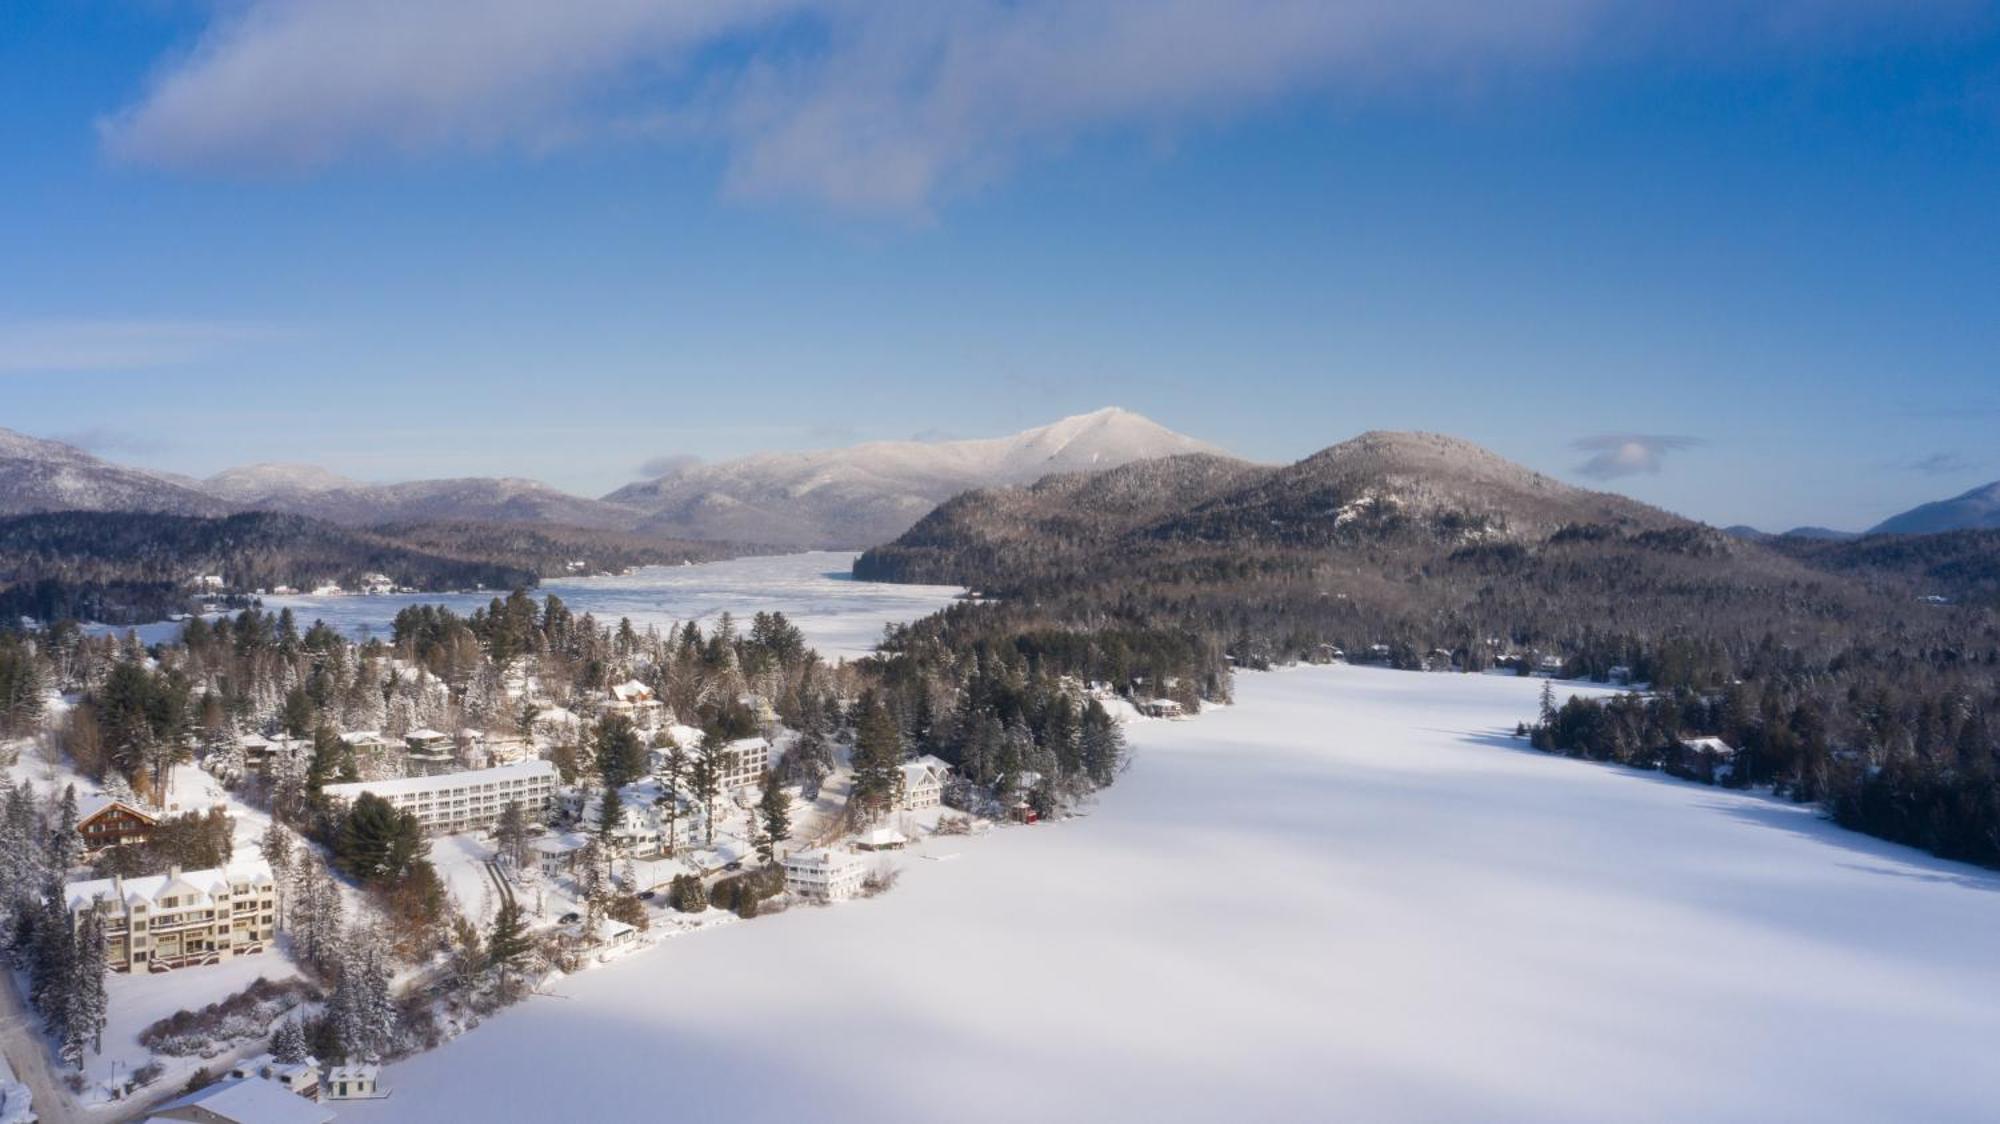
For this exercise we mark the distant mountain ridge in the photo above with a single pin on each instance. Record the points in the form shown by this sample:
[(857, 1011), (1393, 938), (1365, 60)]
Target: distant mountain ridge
[(1974, 510), (834, 498), (1417, 493), (859, 496), (37, 475)]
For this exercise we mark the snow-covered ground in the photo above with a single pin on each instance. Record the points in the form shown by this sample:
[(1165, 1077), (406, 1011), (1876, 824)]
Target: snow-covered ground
[(839, 616), (1349, 896)]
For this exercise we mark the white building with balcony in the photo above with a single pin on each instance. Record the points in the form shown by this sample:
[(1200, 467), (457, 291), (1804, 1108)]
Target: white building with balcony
[(177, 919)]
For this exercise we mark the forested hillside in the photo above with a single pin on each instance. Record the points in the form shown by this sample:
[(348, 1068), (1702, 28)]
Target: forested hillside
[(1840, 668), (123, 568)]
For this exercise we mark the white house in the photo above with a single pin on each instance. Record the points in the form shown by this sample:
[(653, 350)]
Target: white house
[(923, 782), (555, 855), (637, 701), (466, 801), (352, 1082), (824, 875)]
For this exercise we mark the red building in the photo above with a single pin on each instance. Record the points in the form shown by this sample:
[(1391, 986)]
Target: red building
[(104, 822)]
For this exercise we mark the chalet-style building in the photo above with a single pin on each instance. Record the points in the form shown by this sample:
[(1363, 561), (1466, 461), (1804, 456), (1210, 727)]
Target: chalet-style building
[(104, 822), (177, 919)]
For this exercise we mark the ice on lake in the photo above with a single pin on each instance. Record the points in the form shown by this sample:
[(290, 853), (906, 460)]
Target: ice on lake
[(840, 617), (1350, 896)]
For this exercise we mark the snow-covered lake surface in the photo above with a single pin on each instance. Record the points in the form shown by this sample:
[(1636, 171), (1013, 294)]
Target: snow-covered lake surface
[(1350, 896), (839, 616)]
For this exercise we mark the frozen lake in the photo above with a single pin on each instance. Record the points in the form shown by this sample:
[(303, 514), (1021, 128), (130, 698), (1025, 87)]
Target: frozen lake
[(839, 616), (1348, 897)]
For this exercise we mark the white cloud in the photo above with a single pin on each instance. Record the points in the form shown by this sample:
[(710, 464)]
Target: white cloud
[(70, 346), (861, 105), (1628, 454)]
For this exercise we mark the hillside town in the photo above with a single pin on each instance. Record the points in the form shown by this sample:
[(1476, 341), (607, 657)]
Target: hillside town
[(246, 870)]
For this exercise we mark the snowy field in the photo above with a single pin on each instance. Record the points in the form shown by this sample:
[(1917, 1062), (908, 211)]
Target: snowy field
[(839, 616), (1350, 896)]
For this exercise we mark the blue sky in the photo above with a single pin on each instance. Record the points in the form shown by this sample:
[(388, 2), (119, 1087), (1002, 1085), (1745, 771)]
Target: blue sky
[(1739, 259)]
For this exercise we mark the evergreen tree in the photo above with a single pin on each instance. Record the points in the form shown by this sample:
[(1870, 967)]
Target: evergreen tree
[(878, 757), (288, 1043), (510, 835), (775, 810), (621, 755), (65, 844), (88, 1008), (507, 941), (376, 842), (705, 777), (610, 815)]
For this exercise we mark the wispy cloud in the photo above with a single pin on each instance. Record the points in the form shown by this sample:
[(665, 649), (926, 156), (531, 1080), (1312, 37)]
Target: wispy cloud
[(75, 346), (1936, 464), (861, 105), (668, 465), (1628, 454)]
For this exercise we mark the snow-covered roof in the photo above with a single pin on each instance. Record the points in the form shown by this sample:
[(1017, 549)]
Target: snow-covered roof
[(632, 691), (252, 1100), (1709, 745), (361, 737), (884, 837), (425, 733), (195, 882), (97, 803), (822, 858), (360, 1071), (405, 786)]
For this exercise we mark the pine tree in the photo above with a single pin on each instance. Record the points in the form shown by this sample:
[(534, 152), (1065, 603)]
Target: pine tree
[(510, 835), (1548, 703), (276, 846), (1101, 745), (88, 1007), (610, 815), (52, 980), (288, 1044), (775, 809), (507, 942), (65, 844), (705, 777)]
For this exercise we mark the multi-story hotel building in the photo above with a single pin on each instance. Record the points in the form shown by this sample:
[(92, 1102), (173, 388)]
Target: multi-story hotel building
[(177, 919), (466, 801)]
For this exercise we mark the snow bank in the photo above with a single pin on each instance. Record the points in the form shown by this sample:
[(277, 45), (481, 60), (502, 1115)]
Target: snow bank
[(1350, 896)]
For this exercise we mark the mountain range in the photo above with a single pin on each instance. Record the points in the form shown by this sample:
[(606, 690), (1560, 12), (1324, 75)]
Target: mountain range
[(867, 494), (837, 498), (850, 497)]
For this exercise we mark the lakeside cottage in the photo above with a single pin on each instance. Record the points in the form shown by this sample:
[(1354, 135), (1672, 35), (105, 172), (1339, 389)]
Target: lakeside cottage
[(824, 875), (923, 782), (177, 919), (353, 1082)]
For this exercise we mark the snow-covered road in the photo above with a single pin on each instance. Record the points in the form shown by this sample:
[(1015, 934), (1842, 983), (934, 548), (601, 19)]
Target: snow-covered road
[(1349, 896)]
